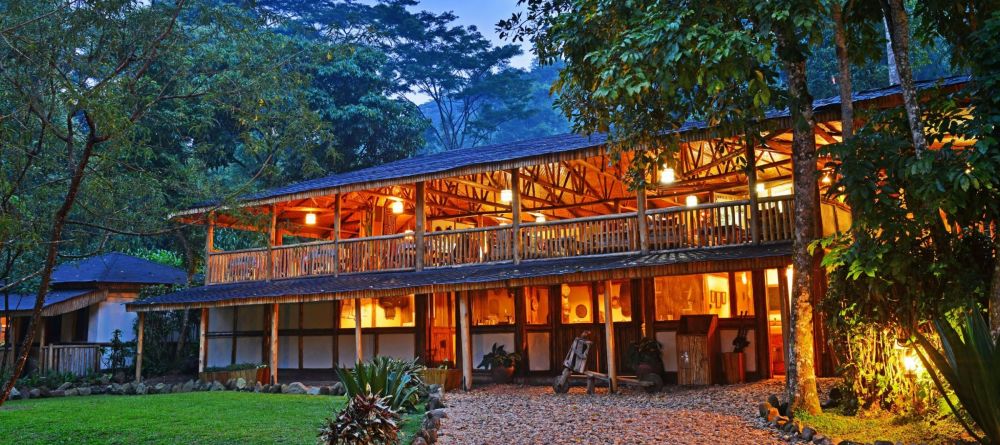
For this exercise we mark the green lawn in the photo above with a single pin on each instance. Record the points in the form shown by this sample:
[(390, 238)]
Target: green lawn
[(195, 418), (907, 429)]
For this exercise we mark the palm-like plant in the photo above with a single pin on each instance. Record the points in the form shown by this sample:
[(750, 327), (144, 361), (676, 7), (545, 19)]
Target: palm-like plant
[(397, 380), (970, 363)]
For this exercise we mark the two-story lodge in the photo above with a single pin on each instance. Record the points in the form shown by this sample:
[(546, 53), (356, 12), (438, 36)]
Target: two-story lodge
[(523, 244)]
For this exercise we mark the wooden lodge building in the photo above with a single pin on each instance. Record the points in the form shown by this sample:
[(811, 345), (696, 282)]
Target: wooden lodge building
[(525, 244)]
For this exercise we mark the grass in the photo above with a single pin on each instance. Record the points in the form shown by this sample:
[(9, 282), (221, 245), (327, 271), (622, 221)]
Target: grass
[(834, 423), (190, 418)]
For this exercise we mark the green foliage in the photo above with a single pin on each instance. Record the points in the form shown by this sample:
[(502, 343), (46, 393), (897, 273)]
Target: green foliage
[(968, 362), (645, 351), (53, 379), (367, 419), (397, 380), (235, 367), (498, 357), (118, 353)]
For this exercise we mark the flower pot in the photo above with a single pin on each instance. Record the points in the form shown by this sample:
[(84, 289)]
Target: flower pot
[(734, 367), (449, 379), (643, 369), (502, 375)]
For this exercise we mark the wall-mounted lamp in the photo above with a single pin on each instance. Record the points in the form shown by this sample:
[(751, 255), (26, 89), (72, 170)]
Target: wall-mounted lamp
[(506, 196), (667, 175), (691, 200), (396, 207), (310, 219)]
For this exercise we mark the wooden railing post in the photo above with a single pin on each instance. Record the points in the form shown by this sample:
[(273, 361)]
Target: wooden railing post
[(336, 235), (515, 207), (271, 235), (752, 184), (140, 328), (273, 362), (209, 246), (640, 215), (420, 222)]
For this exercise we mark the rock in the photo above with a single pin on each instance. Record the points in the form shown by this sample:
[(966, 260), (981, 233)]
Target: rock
[(188, 386), (418, 441), (437, 413), (128, 389), (98, 389), (794, 427), (216, 386), (116, 389), (241, 384), (313, 391), (807, 434), (324, 390), (161, 388), (105, 379), (772, 414), (276, 389), (294, 388), (773, 401), (434, 403), (781, 421), (72, 392), (763, 408), (257, 387), (14, 394), (65, 386), (231, 384), (883, 442), (176, 388), (783, 409), (431, 423), (338, 389), (57, 393), (836, 394), (35, 393), (141, 389), (84, 391)]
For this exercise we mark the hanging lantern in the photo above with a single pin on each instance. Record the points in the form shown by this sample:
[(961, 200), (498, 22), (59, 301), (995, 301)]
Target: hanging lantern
[(668, 176), (506, 196), (826, 179), (310, 219), (397, 207), (691, 201)]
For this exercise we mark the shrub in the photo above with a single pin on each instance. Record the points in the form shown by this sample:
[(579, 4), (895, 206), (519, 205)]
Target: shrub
[(646, 350), (367, 419), (118, 353), (235, 367), (397, 380), (498, 357)]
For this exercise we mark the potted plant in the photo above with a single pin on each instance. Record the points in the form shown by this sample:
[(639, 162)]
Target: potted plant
[(445, 375), (500, 363), (645, 357), (734, 363)]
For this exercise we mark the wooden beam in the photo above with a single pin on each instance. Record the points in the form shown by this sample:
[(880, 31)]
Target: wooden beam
[(140, 328), (419, 225), (463, 322), (357, 331), (273, 362), (203, 341), (609, 339), (641, 220), (515, 205)]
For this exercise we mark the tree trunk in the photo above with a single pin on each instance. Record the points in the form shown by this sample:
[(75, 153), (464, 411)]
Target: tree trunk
[(898, 25), (844, 82), (801, 371)]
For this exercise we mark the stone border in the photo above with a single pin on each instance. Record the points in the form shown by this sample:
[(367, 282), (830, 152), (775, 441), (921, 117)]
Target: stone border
[(428, 433), (70, 390), (793, 431)]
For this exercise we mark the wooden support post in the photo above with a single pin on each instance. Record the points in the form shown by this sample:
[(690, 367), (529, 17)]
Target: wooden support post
[(752, 184), (640, 215), (209, 245), (358, 352), (140, 328), (609, 339), (336, 234), (420, 218), (203, 341), (463, 321), (515, 208), (273, 362), (41, 345)]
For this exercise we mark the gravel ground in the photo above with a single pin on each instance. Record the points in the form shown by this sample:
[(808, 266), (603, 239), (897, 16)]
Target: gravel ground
[(511, 414)]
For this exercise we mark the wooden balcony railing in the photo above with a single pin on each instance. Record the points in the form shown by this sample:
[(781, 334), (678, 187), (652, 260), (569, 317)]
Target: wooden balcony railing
[(702, 226)]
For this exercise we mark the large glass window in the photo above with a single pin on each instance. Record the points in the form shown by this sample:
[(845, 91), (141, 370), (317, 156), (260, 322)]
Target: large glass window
[(390, 312), (577, 303), (493, 307), (442, 332), (621, 301), (744, 293), (3, 331), (711, 293), (536, 305)]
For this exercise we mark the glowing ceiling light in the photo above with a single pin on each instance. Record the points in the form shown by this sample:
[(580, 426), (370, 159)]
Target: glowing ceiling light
[(506, 196), (397, 207), (310, 219), (691, 200), (668, 176), (540, 218)]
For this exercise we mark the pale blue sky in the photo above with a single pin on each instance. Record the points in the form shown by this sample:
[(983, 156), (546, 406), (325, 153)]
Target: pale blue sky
[(484, 14)]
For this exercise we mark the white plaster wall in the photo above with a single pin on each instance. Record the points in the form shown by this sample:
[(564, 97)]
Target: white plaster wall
[(220, 319), (539, 350), (109, 315), (726, 337), (251, 318), (668, 339), (317, 315), (248, 349), (483, 343), (220, 351), (401, 346), (345, 349), (317, 352)]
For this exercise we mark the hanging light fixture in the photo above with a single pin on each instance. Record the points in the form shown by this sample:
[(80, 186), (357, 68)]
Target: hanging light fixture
[(691, 200), (539, 218), (310, 219), (826, 179), (506, 196), (667, 175), (397, 207)]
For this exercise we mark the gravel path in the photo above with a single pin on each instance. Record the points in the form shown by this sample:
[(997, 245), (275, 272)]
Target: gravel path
[(510, 415)]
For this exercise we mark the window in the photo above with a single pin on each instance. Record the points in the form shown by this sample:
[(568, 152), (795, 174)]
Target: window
[(621, 301), (744, 293), (577, 303), (390, 312), (493, 307), (3, 331), (536, 304), (696, 294)]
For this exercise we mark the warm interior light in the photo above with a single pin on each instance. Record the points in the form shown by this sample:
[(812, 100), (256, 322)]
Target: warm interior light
[(397, 207), (743, 278), (826, 179), (761, 190), (668, 176), (912, 363), (691, 200), (540, 218), (506, 196), (310, 219)]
